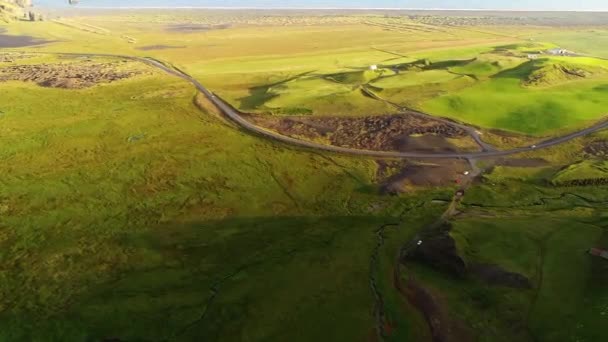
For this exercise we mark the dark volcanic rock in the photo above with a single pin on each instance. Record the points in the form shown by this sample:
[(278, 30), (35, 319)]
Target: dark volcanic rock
[(378, 133)]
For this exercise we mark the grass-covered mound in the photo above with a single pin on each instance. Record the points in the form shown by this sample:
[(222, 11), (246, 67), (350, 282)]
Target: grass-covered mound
[(315, 94), (535, 97), (587, 172), (487, 65), (555, 73)]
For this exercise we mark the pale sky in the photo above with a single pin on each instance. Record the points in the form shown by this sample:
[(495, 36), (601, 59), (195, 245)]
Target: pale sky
[(579, 5)]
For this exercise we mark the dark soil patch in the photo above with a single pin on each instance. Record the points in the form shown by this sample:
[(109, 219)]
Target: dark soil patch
[(10, 41), (424, 143), (191, 28), (159, 47), (379, 133), (69, 76), (522, 162), (496, 275), (440, 173), (597, 149), (440, 253)]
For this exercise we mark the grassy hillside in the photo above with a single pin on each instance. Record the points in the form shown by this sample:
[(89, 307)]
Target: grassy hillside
[(535, 97), (126, 203)]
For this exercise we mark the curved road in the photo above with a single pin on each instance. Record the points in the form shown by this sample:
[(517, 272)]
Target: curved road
[(235, 116)]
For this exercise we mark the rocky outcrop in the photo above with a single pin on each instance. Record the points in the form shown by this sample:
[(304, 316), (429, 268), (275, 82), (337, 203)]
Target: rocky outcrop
[(20, 3), (18, 10), (597, 149)]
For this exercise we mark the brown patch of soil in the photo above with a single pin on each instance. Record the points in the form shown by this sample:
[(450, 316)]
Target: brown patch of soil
[(496, 275), (425, 143), (402, 132), (69, 76), (597, 148), (522, 162), (440, 173)]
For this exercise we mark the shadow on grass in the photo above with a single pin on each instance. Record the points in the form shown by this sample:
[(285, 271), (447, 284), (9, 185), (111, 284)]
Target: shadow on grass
[(259, 95), (450, 64), (204, 280), (520, 72)]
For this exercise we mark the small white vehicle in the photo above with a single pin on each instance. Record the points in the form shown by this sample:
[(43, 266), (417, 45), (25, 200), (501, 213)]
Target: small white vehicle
[(533, 146), (466, 173)]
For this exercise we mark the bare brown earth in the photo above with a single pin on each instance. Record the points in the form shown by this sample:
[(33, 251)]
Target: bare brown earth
[(439, 173), (70, 76), (402, 132)]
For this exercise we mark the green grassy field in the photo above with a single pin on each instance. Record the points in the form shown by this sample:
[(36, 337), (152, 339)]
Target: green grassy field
[(555, 102), (552, 255), (132, 210), (145, 205)]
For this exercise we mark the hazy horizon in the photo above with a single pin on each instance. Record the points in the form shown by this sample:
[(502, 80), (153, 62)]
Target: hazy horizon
[(538, 5)]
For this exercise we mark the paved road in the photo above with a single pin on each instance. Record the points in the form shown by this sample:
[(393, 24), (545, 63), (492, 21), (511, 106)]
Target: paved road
[(235, 116)]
